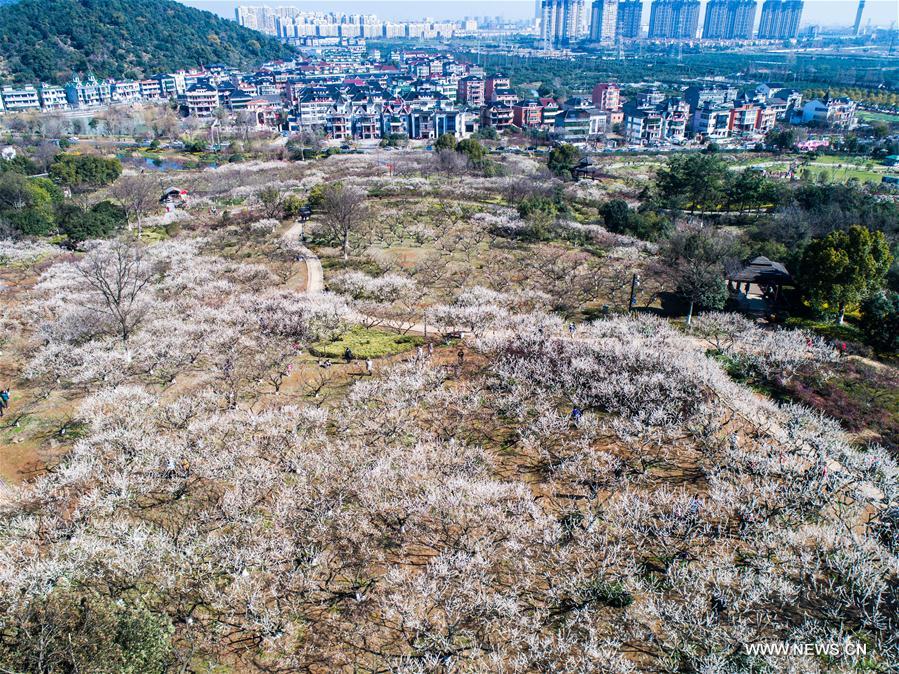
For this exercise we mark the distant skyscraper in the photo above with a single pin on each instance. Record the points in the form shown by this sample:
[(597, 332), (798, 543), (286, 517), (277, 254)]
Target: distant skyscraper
[(780, 19), (729, 20), (858, 16), (564, 22), (630, 13), (604, 21), (674, 19)]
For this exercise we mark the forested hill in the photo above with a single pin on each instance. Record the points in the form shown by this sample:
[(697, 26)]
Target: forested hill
[(47, 40)]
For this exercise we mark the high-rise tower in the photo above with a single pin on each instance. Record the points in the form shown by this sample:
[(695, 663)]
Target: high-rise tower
[(564, 22), (729, 20), (858, 16), (630, 13), (674, 19), (604, 21)]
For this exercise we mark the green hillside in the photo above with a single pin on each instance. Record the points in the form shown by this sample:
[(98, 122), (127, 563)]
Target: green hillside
[(47, 40)]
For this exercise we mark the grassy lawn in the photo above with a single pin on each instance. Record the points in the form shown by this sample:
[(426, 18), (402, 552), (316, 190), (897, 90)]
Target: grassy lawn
[(151, 235), (844, 173), (845, 159), (878, 116), (366, 343)]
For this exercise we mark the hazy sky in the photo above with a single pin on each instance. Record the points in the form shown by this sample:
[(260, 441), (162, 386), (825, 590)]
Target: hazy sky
[(822, 12)]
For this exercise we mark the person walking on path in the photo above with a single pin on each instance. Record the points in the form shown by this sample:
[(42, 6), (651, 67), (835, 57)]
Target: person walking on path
[(348, 354), (369, 366), (576, 415), (4, 401)]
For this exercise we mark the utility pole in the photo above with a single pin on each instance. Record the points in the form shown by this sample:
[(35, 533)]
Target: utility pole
[(635, 283)]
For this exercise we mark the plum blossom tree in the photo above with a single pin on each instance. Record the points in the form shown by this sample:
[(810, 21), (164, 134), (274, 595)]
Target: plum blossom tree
[(390, 299), (345, 209), (138, 194)]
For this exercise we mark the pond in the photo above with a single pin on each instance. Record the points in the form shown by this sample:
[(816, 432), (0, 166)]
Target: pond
[(163, 165)]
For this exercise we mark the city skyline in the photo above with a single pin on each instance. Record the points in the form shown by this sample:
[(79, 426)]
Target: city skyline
[(831, 13)]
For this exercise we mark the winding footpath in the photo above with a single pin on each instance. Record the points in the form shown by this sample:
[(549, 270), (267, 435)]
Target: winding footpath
[(315, 278)]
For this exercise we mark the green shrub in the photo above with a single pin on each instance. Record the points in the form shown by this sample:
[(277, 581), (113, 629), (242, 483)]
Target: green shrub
[(100, 221), (76, 631), (880, 321), (82, 171)]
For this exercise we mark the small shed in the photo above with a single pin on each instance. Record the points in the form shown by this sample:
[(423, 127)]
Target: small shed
[(173, 198)]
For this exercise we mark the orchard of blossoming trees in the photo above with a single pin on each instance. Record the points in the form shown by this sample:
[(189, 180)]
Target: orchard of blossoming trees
[(441, 515), (524, 481)]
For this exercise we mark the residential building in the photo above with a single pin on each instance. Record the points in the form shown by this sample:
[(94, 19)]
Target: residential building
[(572, 125), (769, 113), (496, 84), (17, 99), (171, 85), (339, 125), (551, 110), (836, 112), (780, 19), (314, 104), (125, 92), (790, 99), (712, 121), (564, 22), (674, 19), (607, 97), (52, 98), (367, 125), (472, 91), (729, 20), (150, 89), (676, 119), (648, 99), (265, 111), (630, 16), (642, 126), (744, 119), (87, 93), (664, 122), (604, 21), (201, 100), (718, 94), (454, 122), (600, 122), (527, 114), (497, 115)]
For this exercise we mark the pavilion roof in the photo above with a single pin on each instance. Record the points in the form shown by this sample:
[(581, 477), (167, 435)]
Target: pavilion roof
[(758, 270)]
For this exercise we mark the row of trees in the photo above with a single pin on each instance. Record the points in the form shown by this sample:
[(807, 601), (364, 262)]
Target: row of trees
[(703, 182)]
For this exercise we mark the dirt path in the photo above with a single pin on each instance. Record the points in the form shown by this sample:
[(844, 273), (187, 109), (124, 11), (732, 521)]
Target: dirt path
[(315, 279)]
